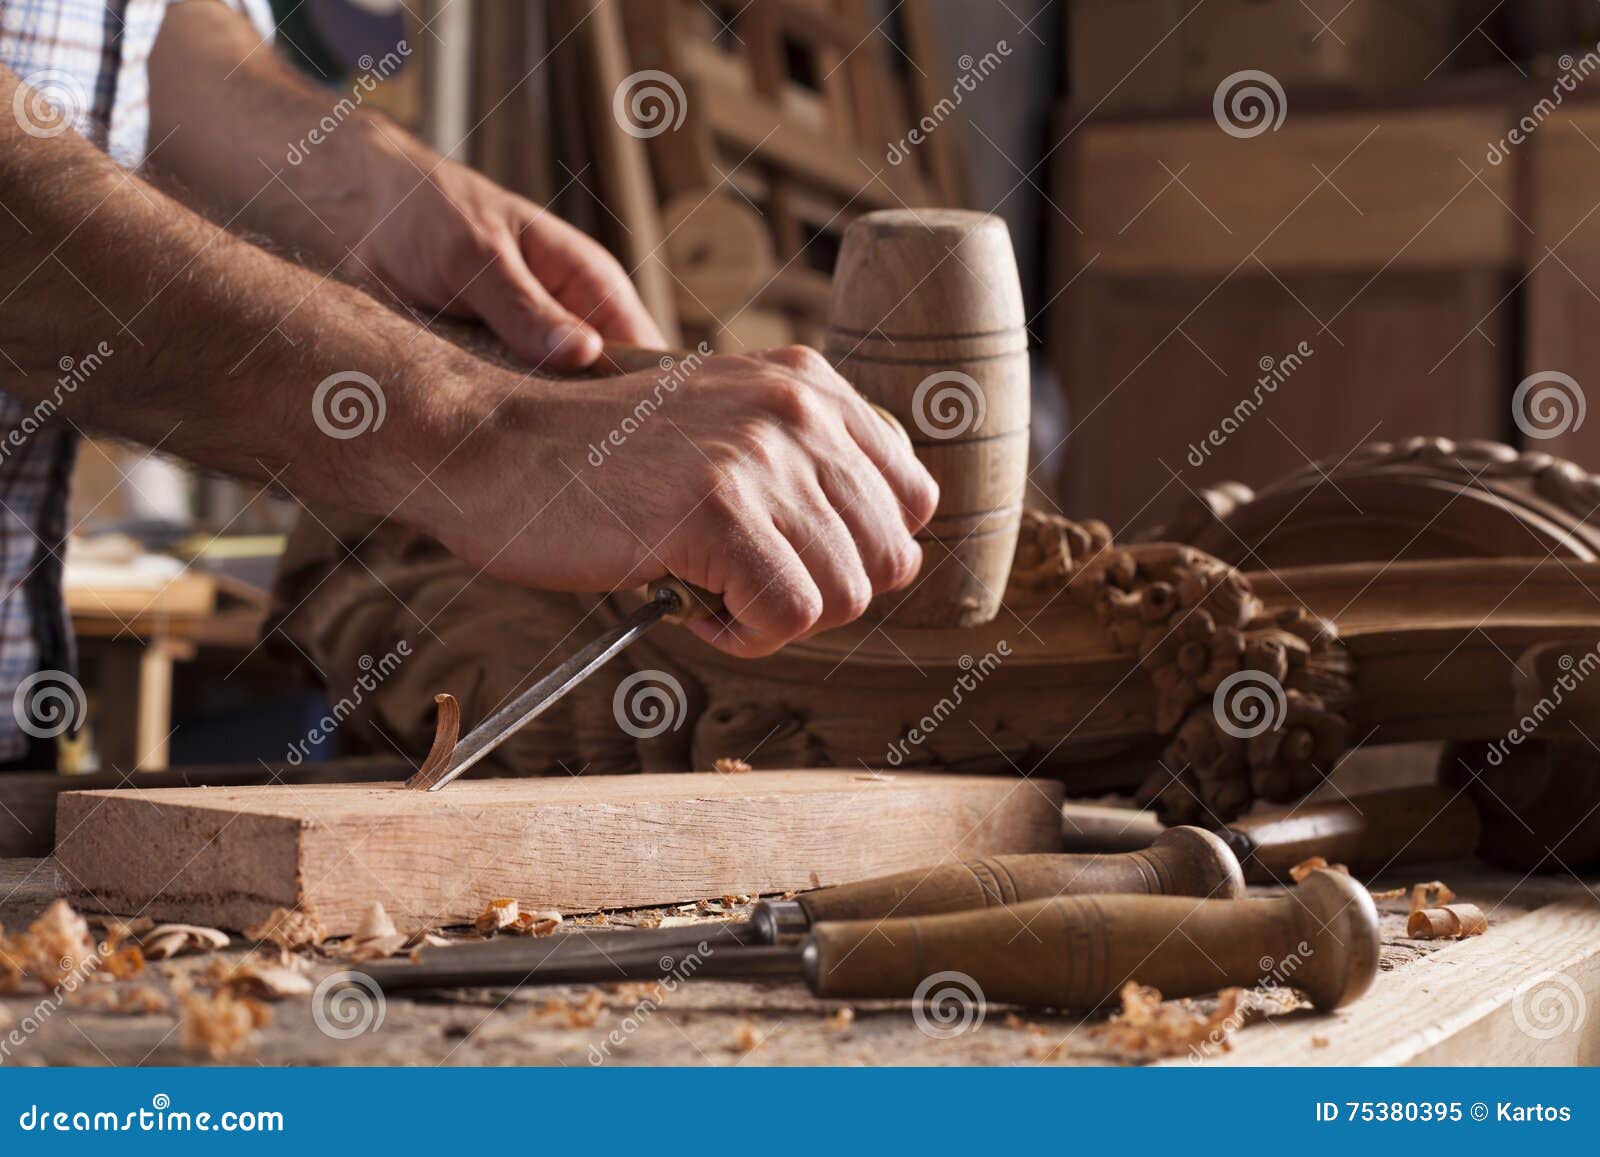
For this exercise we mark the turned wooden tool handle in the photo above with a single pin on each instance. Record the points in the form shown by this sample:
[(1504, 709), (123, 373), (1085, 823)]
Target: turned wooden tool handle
[(1407, 825), (1181, 862), (1076, 952), (693, 602)]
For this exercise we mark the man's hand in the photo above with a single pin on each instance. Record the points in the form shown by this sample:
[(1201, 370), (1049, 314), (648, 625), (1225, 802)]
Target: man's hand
[(373, 201), (765, 479), (449, 239)]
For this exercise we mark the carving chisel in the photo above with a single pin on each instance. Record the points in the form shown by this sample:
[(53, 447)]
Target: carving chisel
[(1182, 861), (1072, 952), (1367, 833), (670, 600)]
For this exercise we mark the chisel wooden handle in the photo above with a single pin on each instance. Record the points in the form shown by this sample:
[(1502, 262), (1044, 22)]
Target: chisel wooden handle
[(1181, 862), (1076, 952), (1366, 832), (693, 602)]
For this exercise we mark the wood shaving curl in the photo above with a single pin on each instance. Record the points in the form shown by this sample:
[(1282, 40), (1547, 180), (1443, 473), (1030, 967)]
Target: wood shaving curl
[(168, 940), (1434, 894), (250, 976), (585, 1014), (1447, 922), (746, 1037), (730, 766), (1305, 867)]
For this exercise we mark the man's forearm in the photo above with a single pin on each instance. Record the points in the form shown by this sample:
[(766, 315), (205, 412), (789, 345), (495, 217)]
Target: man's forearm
[(265, 150), (219, 347)]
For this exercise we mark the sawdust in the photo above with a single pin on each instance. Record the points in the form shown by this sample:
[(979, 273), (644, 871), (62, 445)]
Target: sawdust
[(1388, 894), (1447, 922), (1148, 1029), (730, 766), (841, 1020), (219, 1025), (586, 1013), (290, 929), (1305, 867)]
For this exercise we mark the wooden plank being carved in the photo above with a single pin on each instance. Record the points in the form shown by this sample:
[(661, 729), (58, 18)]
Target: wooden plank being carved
[(228, 856)]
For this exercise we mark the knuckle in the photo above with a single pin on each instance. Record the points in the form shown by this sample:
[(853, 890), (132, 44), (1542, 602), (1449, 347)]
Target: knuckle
[(802, 359), (794, 607)]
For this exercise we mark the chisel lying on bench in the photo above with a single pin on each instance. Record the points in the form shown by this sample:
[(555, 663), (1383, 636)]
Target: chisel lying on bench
[(1072, 952), (1181, 861)]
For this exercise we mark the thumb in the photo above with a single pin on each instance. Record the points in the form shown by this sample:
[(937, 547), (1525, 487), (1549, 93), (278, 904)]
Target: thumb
[(533, 324)]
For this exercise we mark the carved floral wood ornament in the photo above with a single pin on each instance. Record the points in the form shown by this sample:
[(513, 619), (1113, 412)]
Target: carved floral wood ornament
[(1392, 612)]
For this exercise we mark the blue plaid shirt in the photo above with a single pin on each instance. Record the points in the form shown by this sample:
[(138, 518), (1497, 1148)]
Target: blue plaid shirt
[(88, 60)]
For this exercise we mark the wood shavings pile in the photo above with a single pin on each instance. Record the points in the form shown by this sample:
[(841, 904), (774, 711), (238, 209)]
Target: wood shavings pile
[(1149, 1029), (730, 766), (255, 977), (375, 938), (506, 915)]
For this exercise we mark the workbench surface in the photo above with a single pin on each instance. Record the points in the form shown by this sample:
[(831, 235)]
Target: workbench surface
[(1528, 991)]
